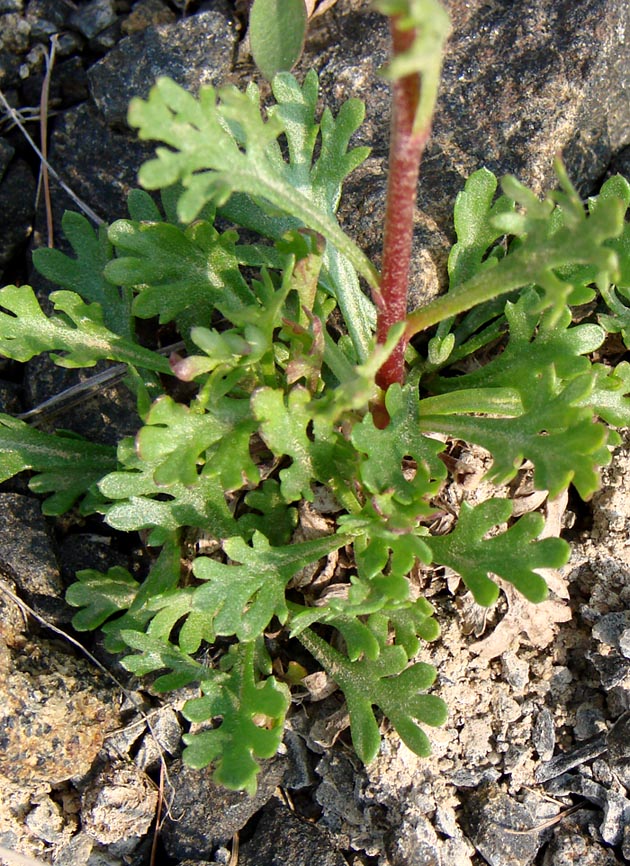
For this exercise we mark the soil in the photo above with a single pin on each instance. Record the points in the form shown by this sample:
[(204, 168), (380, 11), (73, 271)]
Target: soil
[(532, 766)]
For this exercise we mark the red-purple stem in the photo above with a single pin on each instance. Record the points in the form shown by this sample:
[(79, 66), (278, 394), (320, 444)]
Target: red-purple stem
[(406, 148)]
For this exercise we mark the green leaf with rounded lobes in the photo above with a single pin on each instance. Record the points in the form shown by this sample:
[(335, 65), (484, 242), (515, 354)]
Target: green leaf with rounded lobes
[(386, 682), (251, 712), (514, 554)]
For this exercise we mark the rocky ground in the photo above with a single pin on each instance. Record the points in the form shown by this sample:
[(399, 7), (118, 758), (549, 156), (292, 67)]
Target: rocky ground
[(533, 766)]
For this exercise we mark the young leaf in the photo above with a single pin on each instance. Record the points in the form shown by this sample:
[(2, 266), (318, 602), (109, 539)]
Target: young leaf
[(84, 274), (535, 343), (474, 224), (513, 554), (177, 269), (175, 439), (382, 471), (100, 596), (221, 146), (65, 466), (269, 514), (556, 432), (80, 333), (145, 505), (284, 429), (277, 29), (546, 246), (252, 713), (246, 175), (388, 683), (155, 654), (242, 599)]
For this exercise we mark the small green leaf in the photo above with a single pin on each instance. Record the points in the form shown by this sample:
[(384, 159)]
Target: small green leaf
[(277, 29), (241, 599), (385, 682), (65, 466), (557, 432), (514, 554), (252, 713), (474, 214), (383, 470), (100, 596), (77, 330), (156, 654), (175, 269), (85, 274)]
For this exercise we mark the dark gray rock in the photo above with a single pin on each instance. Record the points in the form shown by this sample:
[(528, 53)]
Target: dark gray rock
[(93, 17), (544, 735), (616, 817), (202, 815), (47, 17), (100, 165), (490, 815), (618, 739), (281, 838), (27, 557), (103, 413), (609, 628), (6, 155), (194, 51), (613, 669), (17, 206), (589, 721), (299, 770), (564, 762)]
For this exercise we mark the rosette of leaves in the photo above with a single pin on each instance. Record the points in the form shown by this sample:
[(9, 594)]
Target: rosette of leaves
[(283, 408)]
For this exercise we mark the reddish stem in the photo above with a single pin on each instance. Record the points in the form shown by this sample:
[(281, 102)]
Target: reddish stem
[(406, 148)]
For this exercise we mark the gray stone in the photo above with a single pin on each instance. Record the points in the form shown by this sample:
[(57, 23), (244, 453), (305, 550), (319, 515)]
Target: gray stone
[(197, 50), (616, 817), (576, 783), (618, 739), (119, 803), (624, 643), (281, 838), (564, 762), (11, 6), (414, 844), (610, 627), (589, 721), (202, 815), (490, 816), (6, 155), (544, 735), (27, 557), (48, 10), (93, 17), (299, 771), (613, 669), (100, 165), (167, 731), (571, 844)]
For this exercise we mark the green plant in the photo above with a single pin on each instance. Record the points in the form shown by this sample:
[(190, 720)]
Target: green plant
[(284, 408)]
